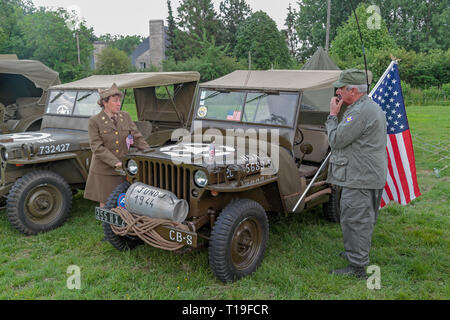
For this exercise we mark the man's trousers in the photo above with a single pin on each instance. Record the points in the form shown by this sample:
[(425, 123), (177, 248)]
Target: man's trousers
[(359, 212)]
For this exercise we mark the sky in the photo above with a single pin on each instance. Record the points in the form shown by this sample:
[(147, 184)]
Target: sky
[(130, 17)]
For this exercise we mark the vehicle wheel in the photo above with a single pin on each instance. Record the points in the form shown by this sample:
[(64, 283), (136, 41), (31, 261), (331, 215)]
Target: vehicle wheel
[(238, 240), (118, 242), (38, 202), (332, 209)]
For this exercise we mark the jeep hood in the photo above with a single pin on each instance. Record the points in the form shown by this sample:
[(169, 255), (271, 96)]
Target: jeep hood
[(44, 142)]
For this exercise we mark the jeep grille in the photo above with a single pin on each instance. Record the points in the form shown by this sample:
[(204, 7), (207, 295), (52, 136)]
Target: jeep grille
[(165, 176)]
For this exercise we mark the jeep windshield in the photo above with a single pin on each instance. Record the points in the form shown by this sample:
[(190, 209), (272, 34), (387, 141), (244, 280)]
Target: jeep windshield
[(248, 107), (73, 103)]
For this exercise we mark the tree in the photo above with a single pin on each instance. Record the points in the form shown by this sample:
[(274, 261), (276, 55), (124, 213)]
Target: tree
[(232, 14), (311, 23), (290, 32), (171, 30), (418, 25), (346, 47), (211, 62), (197, 16), (113, 61), (47, 38), (259, 35)]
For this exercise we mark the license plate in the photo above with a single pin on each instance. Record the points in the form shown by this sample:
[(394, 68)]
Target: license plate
[(179, 236), (168, 233), (109, 217)]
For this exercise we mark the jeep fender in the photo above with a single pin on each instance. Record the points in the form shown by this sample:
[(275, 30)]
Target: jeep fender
[(63, 164)]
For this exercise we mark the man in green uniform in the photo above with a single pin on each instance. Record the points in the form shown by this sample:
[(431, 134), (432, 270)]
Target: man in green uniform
[(358, 164)]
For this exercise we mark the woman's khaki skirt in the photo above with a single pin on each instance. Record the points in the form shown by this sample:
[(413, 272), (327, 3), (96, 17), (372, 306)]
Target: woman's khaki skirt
[(99, 187)]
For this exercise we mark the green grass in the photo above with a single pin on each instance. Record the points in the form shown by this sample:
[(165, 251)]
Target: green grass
[(410, 245)]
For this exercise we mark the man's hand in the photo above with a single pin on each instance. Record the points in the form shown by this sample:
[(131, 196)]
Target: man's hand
[(118, 165), (335, 106)]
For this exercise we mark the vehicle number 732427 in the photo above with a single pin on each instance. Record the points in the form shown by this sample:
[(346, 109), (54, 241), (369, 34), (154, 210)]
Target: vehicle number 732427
[(54, 148)]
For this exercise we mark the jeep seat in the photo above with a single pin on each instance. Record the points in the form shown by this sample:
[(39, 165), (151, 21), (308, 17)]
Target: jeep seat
[(317, 137)]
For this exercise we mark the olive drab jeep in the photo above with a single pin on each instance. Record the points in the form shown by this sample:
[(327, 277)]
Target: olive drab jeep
[(24, 87), (39, 171), (257, 147)]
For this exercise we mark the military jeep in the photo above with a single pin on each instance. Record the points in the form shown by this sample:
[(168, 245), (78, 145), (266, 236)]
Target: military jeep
[(39, 171), (24, 87), (257, 147)]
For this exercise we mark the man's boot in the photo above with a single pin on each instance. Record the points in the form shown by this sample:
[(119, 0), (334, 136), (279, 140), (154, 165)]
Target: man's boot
[(351, 270)]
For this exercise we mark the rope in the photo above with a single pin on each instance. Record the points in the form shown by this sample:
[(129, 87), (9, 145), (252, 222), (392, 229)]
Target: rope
[(144, 228)]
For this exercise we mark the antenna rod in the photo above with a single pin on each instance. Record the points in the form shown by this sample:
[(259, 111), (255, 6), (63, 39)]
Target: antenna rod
[(362, 43)]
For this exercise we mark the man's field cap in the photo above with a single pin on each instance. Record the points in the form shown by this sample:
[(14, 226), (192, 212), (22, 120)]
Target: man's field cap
[(352, 77)]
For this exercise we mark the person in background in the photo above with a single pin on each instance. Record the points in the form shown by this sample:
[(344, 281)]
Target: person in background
[(358, 164), (111, 134)]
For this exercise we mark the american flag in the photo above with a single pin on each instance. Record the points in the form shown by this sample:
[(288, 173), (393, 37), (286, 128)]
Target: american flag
[(401, 185), (234, 115), (129, 140)]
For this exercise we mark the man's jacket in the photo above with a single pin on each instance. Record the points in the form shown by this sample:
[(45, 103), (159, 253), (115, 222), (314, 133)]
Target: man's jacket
[(358, 146)]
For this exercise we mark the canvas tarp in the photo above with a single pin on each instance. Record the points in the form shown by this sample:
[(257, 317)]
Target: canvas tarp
[(42, 76), (149, 106), (131, 80), (275, 80), (25, 78)]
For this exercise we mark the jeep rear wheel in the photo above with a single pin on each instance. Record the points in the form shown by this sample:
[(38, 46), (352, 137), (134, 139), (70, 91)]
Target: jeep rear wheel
[(38, 202), (238, 240), (118, 242), (332, 209)]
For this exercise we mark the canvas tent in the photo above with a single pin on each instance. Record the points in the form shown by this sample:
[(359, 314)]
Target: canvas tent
[(320, 61)]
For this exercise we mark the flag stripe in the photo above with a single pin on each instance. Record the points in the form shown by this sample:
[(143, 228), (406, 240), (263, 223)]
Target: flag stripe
[(392, 174), (400, 170), (406, 165), (412, 161)]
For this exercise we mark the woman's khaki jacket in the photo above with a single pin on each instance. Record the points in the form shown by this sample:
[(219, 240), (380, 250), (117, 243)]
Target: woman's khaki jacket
[(108, 142)]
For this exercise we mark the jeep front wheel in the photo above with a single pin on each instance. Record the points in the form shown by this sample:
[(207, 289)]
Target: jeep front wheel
[(238, 240), (38, 202), (120, 243)]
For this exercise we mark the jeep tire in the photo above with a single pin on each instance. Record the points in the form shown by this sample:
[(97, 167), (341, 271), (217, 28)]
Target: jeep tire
[(38, 202), (118, 242), (238, 240), (332, 209)]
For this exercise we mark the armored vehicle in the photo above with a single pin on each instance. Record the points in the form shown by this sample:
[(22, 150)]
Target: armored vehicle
[(24, 87), (257, 147), (41, 170)]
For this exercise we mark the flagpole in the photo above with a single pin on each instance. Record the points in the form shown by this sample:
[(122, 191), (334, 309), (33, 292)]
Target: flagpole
[(381, 78)]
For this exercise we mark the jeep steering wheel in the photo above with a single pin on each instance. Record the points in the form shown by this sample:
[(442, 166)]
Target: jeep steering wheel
[(296, 142)]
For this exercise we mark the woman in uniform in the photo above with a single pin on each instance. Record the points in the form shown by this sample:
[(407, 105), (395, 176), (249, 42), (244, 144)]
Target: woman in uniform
[(111, 133)]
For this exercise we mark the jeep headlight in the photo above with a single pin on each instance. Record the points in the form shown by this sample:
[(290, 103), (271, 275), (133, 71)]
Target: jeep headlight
[(4, 154), (200, 179), (132, 167)]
